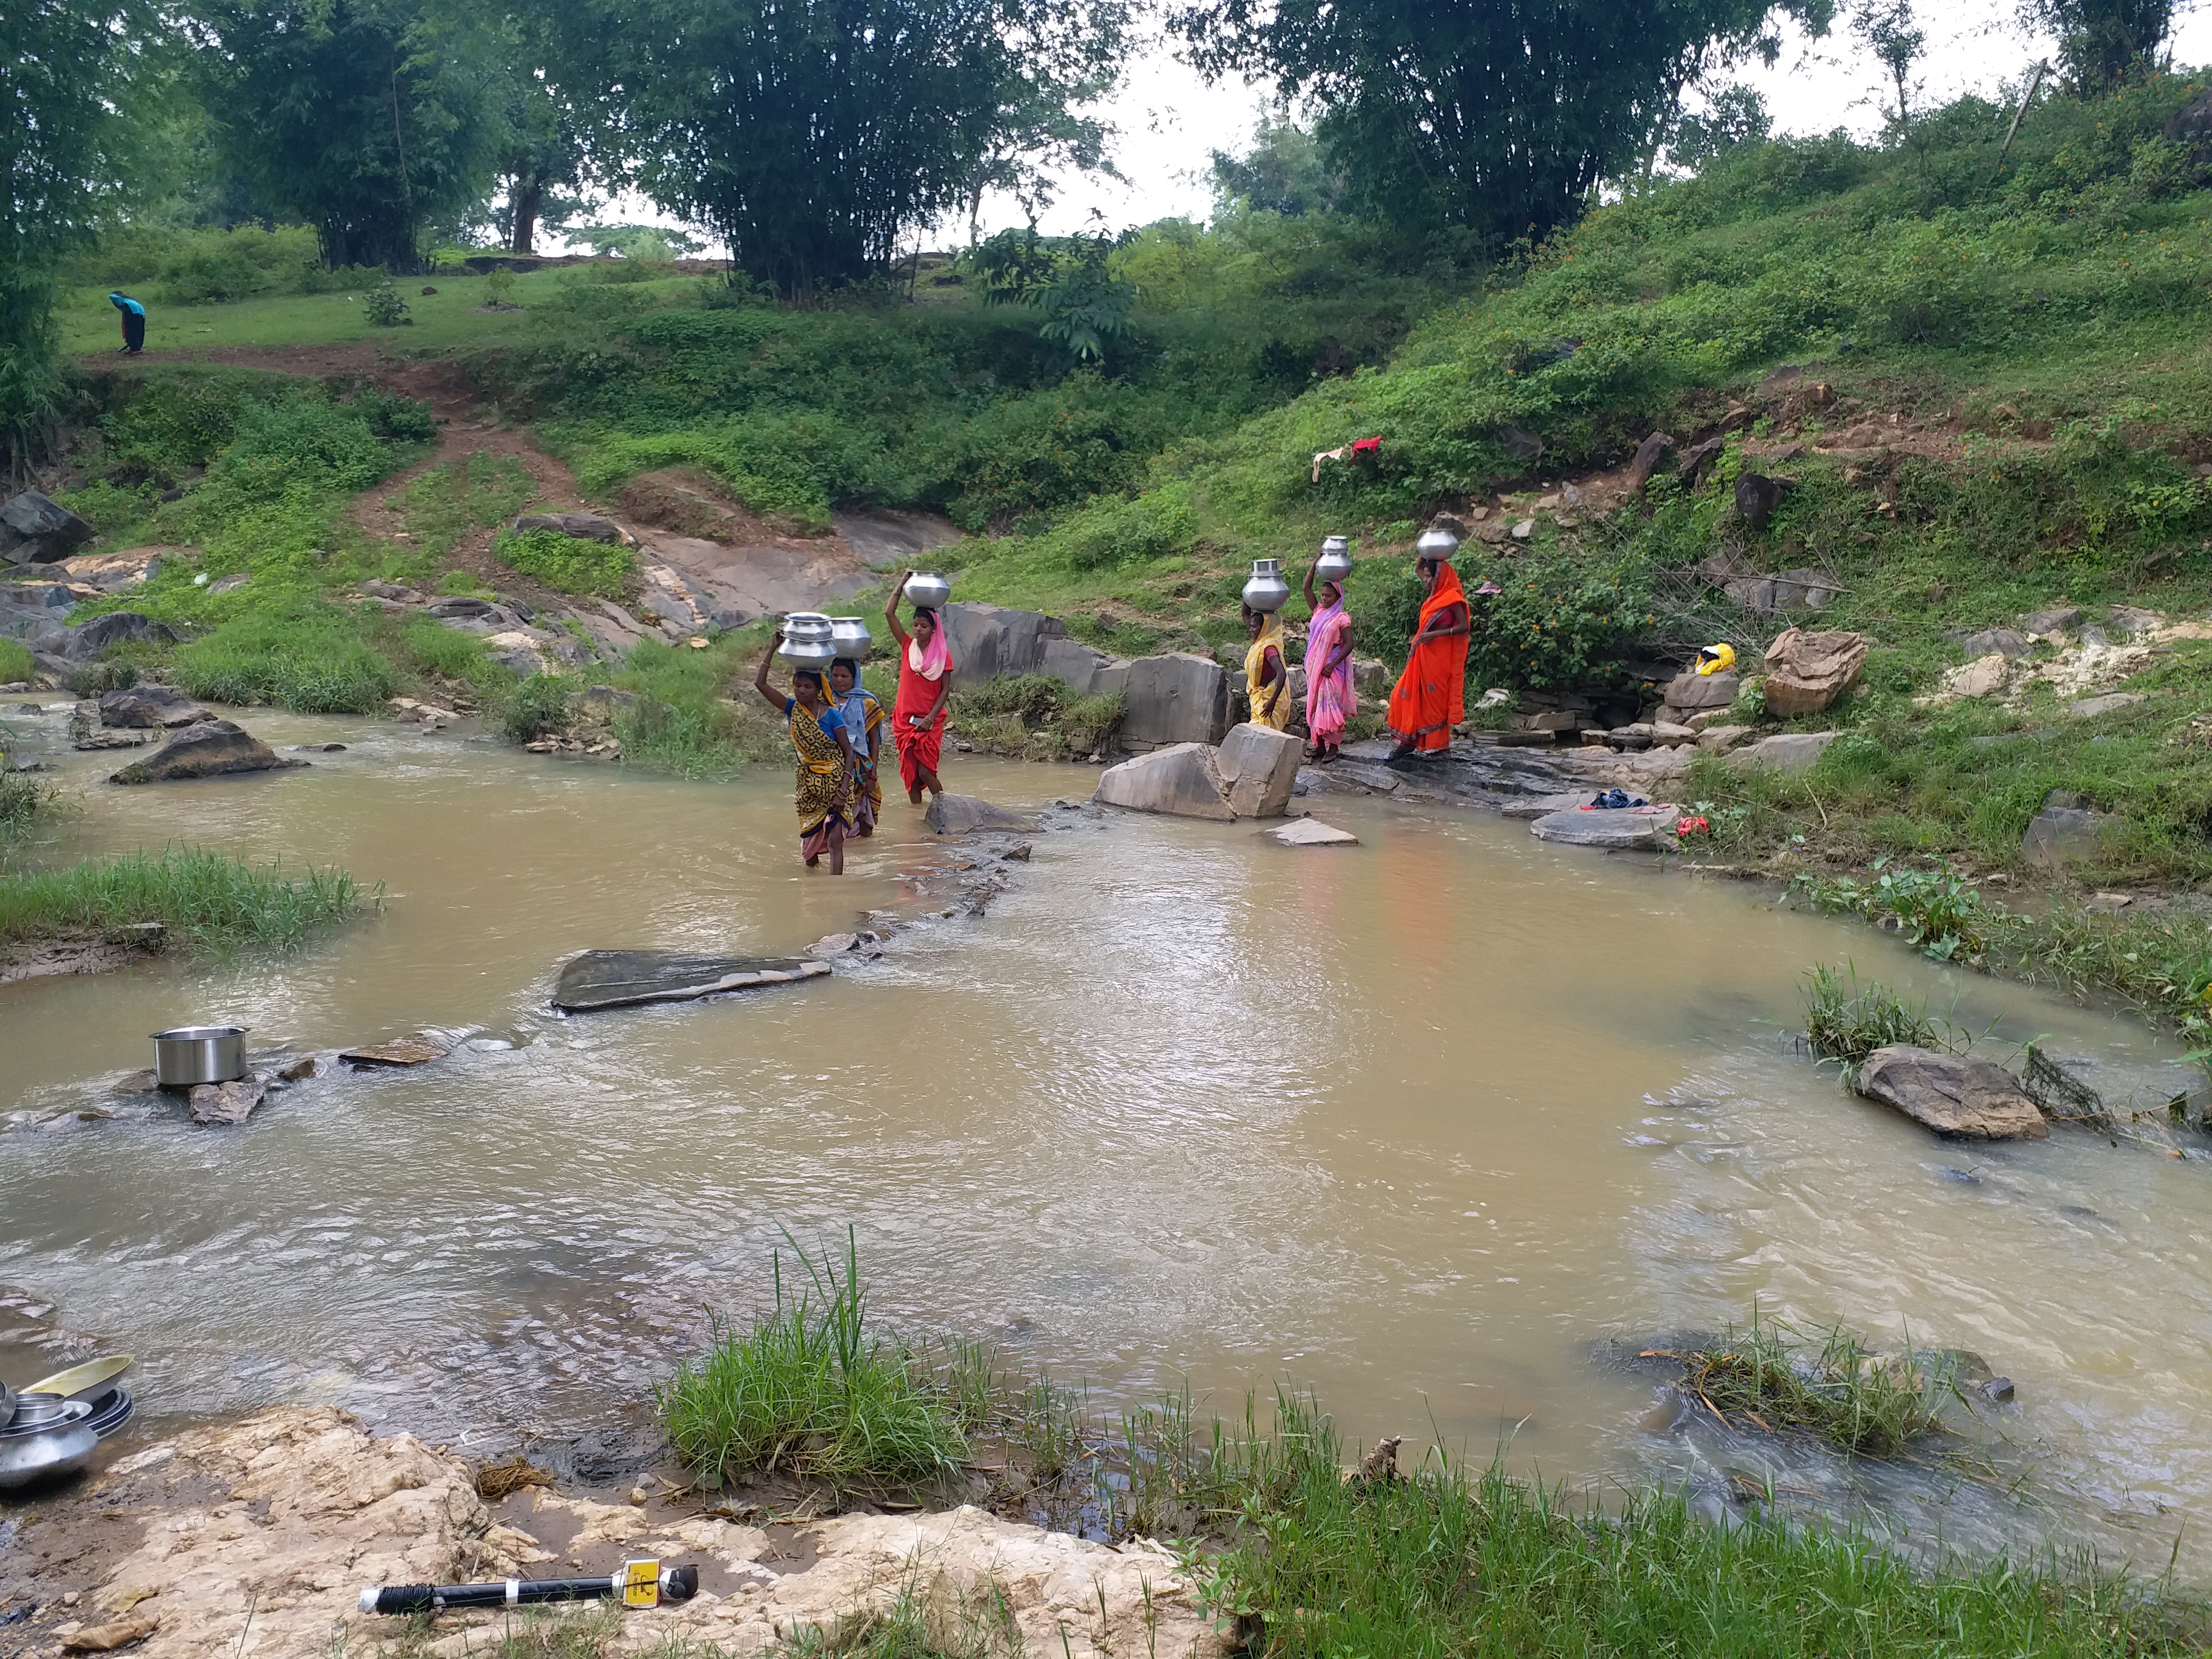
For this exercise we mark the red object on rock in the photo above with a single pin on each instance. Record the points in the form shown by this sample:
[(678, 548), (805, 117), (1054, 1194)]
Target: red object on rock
[(1367, 445)]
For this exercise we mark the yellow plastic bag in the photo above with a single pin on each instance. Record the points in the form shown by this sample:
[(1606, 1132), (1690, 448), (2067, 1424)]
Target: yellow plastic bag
[(1715, 658)]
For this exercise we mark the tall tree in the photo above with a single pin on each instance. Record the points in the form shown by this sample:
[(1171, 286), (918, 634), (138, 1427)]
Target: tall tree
[(1497, 116), (1283, 172), (813, 135), (1043, 131), (1887, 30), (368, 119), (69, 73), (2104, 43)]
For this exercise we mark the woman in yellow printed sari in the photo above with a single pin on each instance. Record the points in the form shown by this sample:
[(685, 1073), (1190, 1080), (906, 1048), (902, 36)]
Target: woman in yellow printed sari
[(824, 777), (1267, 670)]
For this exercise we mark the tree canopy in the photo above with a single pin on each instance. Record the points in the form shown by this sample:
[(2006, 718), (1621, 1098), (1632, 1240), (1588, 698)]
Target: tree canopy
[(368, 119), (1494, 116), (814, 135), (2104, 43)]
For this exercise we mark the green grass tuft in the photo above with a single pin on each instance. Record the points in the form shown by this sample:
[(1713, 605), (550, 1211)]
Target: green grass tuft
[(16, 663), (210, 900), (446, 502), (1834, 1389), (1849, 1022), (808, 1389), (314, 664)]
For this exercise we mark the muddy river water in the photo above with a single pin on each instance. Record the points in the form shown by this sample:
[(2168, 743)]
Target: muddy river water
[(1413, 1124)]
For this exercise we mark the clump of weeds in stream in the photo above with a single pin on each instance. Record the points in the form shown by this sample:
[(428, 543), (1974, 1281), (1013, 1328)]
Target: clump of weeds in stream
[(1456, 1558), (1847, 1021), (809, 1390), (1829, 1386), (1940, 914), (210, 901)]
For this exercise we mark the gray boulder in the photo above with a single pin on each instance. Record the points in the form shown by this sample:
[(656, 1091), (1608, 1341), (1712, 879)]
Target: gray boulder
[(1180, 780), (2056, 620), (1087, 671), (1689, 690), (587, 527), (963, 815), (1372, 676), (205, 751), (226, 1104), (1310, 832), (2095, 1087), (2003, 641), (145, 706), (621, 979), (1783, 592), (117, 626), (1175, 698), (2111, 702), (1620, 830), (1258, 767), (1973, 1099), (2066, 831), (990, 642), (35, 530), (1785, 751)]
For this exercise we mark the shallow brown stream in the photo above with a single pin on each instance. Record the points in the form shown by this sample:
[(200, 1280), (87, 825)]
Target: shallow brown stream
[(1412, 1123)]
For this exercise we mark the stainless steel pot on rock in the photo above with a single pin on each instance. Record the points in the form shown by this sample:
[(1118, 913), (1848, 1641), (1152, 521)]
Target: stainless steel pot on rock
[(186, 1056)]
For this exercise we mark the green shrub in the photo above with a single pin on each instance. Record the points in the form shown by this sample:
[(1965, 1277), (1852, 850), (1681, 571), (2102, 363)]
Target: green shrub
[(435, 648), (1558, 621), (311, 662), (1939, 914), (1089, 722), (568, 564), (538, 704), (1154, 526), (384, 307), (16, 663), (808, 1389), (22, 797)]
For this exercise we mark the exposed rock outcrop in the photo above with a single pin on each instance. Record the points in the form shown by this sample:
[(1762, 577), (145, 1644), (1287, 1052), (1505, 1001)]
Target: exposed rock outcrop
[(37, 530), (205, 750), (149, 707), (1258, 768), (1806, 672), (1974, 1099), (1178, 697), (1180, 780), (619, 979), (963, 815)]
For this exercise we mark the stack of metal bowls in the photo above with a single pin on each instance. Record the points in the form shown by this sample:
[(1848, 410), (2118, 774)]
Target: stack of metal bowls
[(807, 640), (850, 636), (54, 1425), (925, 591), (1335, 562)]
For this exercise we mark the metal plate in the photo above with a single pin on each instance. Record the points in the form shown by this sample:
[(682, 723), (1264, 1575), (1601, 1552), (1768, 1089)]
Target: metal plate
[(81, 1379)]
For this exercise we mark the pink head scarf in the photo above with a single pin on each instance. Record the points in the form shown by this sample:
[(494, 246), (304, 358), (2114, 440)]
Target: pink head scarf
[(930, 663)]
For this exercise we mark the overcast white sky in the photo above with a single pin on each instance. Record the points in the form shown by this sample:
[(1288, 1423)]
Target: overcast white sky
[(1170, 119)]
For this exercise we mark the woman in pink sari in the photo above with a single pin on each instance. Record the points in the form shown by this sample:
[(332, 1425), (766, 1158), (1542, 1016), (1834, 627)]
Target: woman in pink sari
[(1330, 700)]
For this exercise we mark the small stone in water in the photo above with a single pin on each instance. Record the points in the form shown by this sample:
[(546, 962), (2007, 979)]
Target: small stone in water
[(1999, 1389)]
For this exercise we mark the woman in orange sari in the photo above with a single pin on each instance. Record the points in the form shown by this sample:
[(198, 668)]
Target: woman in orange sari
[(1431, 696)]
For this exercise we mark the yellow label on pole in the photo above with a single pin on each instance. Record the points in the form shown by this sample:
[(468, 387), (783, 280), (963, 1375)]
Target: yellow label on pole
[(640, 1584)]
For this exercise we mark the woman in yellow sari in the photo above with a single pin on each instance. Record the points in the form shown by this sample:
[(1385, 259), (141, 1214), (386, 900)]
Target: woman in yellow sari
[(1268, 670), (824, 748)]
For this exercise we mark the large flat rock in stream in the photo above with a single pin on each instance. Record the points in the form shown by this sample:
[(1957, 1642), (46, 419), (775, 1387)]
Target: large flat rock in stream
[(963, 815), (1627, 827), (621, 979), (1972, 1099)]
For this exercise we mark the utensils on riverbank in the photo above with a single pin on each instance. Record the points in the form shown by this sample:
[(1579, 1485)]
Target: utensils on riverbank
[(850, 636), (1264, 589), (927, 592), (54, 1425), (1335, 562), (187, 1055), (807, 640)]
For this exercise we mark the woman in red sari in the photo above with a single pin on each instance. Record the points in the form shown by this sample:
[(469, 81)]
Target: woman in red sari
[(1431, 696), (925, 681)]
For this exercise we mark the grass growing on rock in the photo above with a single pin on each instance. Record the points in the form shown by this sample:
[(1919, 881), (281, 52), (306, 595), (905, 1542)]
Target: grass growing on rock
[(1036, 717), (1848, 1022), (809, 1390), (209, 900), (1832, 1388), (17, 664), (568, 564)]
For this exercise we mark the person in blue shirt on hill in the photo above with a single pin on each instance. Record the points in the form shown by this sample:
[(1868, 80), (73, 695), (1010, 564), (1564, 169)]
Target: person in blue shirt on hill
[(133, 322)]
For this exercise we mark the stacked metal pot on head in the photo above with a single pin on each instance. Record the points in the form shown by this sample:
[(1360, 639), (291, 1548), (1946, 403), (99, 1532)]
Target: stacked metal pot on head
[(54, 1425), (808, 640)]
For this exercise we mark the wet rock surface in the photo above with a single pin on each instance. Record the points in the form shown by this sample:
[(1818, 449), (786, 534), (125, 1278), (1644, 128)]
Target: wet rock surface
[(260, 1535), (963, 815), (1624, 829), (224, 1104), (1182, 781), (1258, 768), (1974, 1099), (618, 979), (150, 706), (207, 749), (1310, 832), (34, 529)]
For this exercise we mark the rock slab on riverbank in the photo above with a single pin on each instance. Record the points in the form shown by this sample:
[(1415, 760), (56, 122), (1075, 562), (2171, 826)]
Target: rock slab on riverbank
[(963, 815), (1634, 829), (259, 1536), (1973, 1099), (621, 979)]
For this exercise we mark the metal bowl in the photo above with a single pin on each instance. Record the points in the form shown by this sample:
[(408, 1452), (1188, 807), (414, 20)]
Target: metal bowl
[(186, 1056), (111, 1410), (37, 1414), (28, 1459), (82, 1379), (927, 592)]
